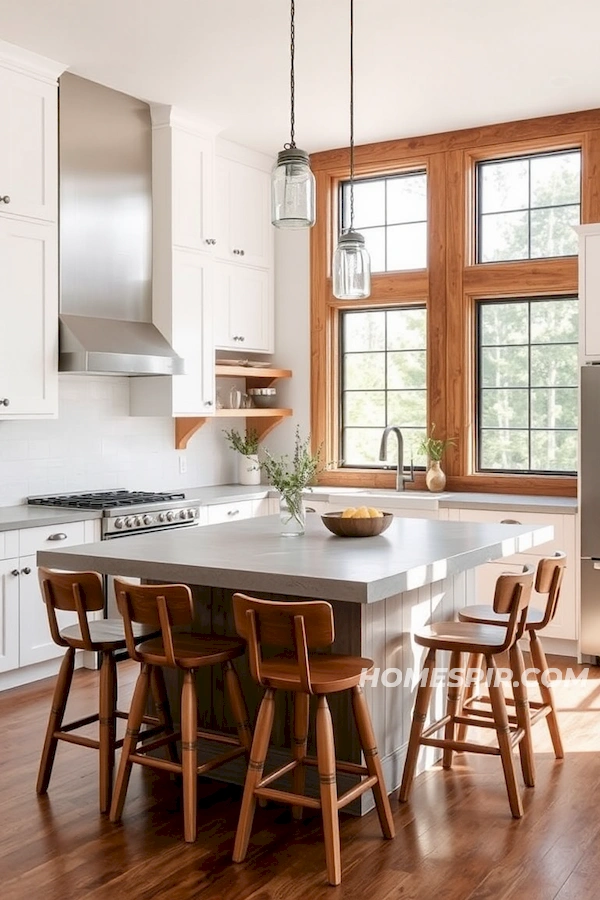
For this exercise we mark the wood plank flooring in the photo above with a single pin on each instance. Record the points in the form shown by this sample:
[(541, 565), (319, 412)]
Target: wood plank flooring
[(455, 840)]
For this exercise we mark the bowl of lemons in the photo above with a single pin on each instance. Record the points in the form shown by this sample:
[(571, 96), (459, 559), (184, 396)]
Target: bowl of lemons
[(364, 521)]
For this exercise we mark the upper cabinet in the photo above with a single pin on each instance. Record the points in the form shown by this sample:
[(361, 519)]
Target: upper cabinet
[(242, 198), (589, 293), (28, 234), (243, 309), (29, 146)]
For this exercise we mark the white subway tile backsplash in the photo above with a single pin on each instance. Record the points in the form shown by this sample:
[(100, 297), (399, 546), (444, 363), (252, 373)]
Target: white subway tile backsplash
[(95, 445)]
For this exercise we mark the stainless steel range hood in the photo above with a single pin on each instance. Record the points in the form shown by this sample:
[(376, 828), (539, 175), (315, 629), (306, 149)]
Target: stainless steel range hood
[(115, 347), (105, 154)]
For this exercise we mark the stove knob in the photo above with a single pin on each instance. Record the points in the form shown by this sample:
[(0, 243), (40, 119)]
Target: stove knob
[(183, 514), (161, 517), (129, 522), (138, 521), (191, 513), (148, 520), (170, 515), (119, 522)]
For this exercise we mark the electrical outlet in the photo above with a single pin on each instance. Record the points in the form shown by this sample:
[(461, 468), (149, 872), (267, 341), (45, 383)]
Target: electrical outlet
[(182, 464)]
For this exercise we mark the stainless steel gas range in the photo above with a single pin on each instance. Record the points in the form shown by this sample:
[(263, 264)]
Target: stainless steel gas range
[(125, 513)]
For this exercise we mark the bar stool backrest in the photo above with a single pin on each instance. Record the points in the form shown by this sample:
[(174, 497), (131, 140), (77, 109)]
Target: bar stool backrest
[(511, 597), (298, 627), (548, 580), (79, 592), (157, 605)]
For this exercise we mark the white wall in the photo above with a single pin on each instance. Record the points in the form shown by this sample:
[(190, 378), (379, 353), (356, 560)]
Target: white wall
[(94, 445), (292, 333)]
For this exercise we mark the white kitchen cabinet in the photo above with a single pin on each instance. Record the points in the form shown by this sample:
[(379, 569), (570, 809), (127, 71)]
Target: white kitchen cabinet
[(243, 216), (243, 308), (29, 334), (9, 614), (564, 626), (29, 145), (183, 180), (230, 512), (589, 293)]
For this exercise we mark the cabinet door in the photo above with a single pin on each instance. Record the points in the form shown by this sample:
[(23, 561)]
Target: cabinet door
[(589, 292), (35, 642), (243, 309), (244, 231), (29, 146), (29, 333), (192, 184), (230, 512), (194, 392), (9, 614)]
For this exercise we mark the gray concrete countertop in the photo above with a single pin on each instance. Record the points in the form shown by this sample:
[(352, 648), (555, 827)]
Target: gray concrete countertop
[(252, 555), (519, 502), (13, 517)]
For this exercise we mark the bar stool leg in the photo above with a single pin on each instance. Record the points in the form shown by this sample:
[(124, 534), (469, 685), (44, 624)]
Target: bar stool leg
[(502, 730), (233, 690), (258, 755), (57, 713), (453, 705), (372, 760), (472, 690), (328, 788), (108, 706), (163, 708), (189, 754), (539, 661), (300, 739), (136, 714), (523, 715), (418, 723)]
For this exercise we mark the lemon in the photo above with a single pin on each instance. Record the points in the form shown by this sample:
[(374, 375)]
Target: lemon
[(348, 513), (375, 513), (361, 513)]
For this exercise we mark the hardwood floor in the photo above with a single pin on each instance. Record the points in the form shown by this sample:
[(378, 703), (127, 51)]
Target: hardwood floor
[(455, 840)]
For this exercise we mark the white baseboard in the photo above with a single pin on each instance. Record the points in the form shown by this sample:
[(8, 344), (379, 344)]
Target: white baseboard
[(27, 674)]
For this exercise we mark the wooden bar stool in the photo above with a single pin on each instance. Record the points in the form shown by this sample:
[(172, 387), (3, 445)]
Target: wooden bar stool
[(548, 581), (82, 592), (297, 628), (511, 598), (162, 607)]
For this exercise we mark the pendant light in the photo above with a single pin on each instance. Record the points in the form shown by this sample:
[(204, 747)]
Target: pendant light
[(351, 262), (292, 181)]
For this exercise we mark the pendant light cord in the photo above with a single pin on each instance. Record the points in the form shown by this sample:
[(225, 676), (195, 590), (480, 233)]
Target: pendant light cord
[(292, 143), (351, 115)]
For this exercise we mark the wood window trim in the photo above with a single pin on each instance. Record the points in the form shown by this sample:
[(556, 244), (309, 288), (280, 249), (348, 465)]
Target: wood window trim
[(450, 286)]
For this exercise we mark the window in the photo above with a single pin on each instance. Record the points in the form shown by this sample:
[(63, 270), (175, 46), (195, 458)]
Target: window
[(383, 382), (527, 206), (391, 213), (527, 373)]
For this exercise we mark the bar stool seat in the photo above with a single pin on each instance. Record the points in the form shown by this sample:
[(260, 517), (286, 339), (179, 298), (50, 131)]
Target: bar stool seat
[(83, 593), (511, 597), (297, 628), (548, 581), (329, 673), (168, 606)]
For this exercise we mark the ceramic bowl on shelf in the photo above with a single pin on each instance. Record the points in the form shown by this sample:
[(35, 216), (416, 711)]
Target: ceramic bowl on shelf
[(356, 527), (263, 398)]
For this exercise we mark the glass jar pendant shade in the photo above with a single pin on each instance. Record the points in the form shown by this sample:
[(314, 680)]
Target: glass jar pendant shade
[(351, 268), (292, 182)]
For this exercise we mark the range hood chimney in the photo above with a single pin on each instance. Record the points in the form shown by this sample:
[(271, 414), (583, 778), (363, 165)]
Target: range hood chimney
[(105, 156)]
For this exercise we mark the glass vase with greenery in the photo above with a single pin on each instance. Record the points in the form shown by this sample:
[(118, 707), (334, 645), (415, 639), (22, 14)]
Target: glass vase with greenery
[(292, 476)]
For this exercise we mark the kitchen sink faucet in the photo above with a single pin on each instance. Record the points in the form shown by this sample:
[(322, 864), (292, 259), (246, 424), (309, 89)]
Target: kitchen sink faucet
[(401, 478)]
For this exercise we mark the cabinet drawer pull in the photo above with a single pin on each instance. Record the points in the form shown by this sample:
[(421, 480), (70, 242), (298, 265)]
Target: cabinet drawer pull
[(14, 572), (233, 512), (26, 571), (309, 509), (5, 199), (4, 401), (510, 522), (59, 536)]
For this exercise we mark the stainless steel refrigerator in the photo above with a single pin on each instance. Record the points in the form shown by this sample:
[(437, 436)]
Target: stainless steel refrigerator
[(589, 509)]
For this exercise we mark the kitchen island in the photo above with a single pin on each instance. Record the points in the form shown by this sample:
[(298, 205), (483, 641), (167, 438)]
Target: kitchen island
[(381, 588)]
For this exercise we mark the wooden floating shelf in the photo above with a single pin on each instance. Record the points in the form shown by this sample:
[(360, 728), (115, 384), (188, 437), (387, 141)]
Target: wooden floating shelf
[(252, 372), (262, 421)]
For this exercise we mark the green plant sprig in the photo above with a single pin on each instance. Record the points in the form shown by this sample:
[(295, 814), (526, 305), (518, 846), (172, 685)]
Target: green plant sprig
[(291, 476), (434, 448), (246, 444)]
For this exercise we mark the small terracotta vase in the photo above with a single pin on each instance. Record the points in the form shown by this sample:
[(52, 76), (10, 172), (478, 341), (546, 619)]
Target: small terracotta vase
[(435, 479)]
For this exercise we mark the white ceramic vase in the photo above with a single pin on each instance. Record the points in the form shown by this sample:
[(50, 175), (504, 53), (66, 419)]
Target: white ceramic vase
[(248, 469)]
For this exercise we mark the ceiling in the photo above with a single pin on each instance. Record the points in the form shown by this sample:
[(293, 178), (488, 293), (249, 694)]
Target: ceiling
[(419, 67)]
